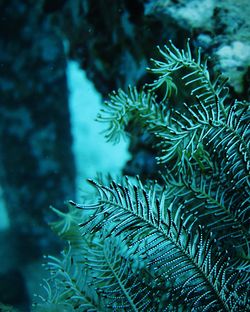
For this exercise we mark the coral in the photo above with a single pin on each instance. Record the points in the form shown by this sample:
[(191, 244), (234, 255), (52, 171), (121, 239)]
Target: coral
[(180, 244), (190, 14), (234, 59)]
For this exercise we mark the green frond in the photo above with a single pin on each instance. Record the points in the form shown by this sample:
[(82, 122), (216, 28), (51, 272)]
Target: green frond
[(229, 141), (67, 226), (101, 277), (121, 108), (70, 284), (165, 242), (117, 280), (195, 75), (185, 138), (67, 220), (206, 201)]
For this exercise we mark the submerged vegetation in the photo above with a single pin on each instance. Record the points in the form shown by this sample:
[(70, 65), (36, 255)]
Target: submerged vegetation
[(179, 244)]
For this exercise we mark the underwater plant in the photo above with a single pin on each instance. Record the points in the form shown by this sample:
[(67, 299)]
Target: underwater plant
[(179, 244)]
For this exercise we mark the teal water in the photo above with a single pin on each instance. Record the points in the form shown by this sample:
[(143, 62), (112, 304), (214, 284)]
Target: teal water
[(92, 153)]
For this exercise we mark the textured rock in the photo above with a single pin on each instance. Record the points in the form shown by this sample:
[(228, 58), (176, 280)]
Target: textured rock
[(113, 41), (214, 25)]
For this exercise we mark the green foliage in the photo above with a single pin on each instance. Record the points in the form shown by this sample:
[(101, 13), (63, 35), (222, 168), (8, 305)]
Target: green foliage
[(182, 245)]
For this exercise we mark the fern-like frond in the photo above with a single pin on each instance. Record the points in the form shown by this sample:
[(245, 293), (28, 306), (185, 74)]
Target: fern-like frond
[(101, 277), (170, 249), (70, 285), (206, 201), (205, 131), (67, 227), (68, 220), (117, 280), (229, 142), (123, 108), (195, 75)]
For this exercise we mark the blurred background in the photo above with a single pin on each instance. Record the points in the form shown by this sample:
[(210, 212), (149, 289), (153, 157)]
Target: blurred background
[(58, 61)]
